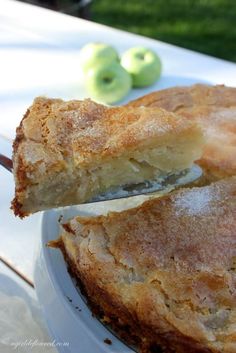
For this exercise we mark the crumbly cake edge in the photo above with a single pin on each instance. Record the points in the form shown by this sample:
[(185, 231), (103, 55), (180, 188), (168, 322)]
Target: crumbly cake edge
[(16, 206), (129, 330)]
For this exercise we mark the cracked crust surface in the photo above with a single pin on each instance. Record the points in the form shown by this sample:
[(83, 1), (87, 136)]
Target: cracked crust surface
[(214, 108), (61, 148), (165, 271)]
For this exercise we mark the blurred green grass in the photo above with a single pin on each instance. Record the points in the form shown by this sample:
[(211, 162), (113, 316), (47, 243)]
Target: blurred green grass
[(207, 26)]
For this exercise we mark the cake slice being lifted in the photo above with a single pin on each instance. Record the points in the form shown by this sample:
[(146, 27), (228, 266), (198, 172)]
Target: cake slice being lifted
[(67, 152)]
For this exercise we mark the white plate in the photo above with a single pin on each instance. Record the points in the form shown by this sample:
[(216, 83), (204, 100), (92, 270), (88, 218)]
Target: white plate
[(67, 316)]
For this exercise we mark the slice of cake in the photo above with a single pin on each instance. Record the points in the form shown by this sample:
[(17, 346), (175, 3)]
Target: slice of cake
[(67, 152), (163, 275), (214, 109)]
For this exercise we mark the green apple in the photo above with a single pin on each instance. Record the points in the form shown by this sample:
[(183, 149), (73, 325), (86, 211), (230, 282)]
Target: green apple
[(108, 84), (143, 64), (94, 54)]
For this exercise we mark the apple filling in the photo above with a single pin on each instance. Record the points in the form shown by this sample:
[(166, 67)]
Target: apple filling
[(77, 185)]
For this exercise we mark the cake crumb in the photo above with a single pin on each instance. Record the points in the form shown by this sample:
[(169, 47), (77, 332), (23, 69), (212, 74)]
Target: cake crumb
[(107, 341), (70, 300), (60, 218)]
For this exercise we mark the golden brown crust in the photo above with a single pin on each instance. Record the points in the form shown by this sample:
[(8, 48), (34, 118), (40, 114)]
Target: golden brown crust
[(57, 137), (214, 108), (166, 269), (87, 129), (127, 327), (20, 173)]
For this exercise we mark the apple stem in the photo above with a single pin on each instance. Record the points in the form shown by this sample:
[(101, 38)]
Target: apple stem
[(107, 79)]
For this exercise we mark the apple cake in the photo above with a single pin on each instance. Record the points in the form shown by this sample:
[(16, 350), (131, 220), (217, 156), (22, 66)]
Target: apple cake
[(214, 108), (67, 152), (163, 275)]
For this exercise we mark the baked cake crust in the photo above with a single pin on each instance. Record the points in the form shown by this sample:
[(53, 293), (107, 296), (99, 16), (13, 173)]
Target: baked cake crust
[(214, 108), (163, 272), (59, 143)]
